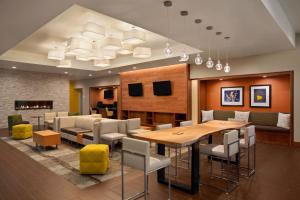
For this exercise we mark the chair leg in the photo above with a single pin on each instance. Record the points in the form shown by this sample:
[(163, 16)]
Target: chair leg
[(122, 175), (169, 183), (145, 185)]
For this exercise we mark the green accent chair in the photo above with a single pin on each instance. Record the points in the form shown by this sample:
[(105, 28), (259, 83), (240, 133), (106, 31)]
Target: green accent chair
[(15, 120)]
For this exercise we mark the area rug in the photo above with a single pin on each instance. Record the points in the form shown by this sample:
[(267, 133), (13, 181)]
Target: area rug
[(64, 161)]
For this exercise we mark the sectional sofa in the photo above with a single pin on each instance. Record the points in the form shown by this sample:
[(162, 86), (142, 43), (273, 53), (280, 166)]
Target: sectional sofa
[(265, 124)]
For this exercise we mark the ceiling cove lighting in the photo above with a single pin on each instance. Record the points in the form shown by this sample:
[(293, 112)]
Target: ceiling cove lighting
[(125, 50), (56, 54), (93, 31), (168, 51), (134, 37), (113, 44), (141, 52), (80, 45), (102, 63), (64, 64)]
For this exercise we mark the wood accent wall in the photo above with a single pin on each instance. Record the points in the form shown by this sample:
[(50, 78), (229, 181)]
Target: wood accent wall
[(178, 102), (97, 94)]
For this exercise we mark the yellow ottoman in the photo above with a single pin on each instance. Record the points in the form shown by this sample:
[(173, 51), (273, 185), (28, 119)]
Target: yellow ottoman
[(94, 159), (22, 131)]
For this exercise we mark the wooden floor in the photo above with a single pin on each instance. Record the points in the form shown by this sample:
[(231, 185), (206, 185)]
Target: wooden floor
[(277, 177)]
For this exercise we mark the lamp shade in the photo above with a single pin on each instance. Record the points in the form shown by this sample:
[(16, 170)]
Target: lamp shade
[(64, 64), (109, 54), (142, 52), (83, 57), (112, 44), (56, 54), (80, 45), (134, 37), (102, 63), (126, 49), (93, 31)]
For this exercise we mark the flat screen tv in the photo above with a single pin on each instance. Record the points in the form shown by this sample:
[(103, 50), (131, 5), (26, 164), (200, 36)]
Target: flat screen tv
[(135, 89), (108, 94), (162, 88)]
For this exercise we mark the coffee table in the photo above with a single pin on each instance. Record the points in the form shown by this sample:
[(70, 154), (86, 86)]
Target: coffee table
[(46, 138)]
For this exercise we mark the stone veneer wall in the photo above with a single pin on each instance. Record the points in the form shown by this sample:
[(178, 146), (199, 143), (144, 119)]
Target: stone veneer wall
[(24, 85)]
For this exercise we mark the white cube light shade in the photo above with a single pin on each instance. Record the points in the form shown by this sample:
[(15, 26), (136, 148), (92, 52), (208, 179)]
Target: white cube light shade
[(80, 45), (112, 44), (93, 31), (142, 52), (56, 54), (96, 55), (125, 50), (64, 64), (134, 37), (102, 63), (109, 54), (83, 57)]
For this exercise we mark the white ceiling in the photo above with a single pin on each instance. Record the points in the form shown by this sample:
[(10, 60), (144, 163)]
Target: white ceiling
[(254, 29)]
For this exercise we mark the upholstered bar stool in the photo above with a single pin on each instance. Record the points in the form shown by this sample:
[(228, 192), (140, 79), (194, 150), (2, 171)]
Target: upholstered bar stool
[(246, 144), (136, 154), (223, 154)]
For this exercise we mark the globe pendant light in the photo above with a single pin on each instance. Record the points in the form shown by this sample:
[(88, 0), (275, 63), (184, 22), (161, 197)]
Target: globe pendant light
[(184, 56), (209, 63), (227, 68), (198, 59), (168, 51), (219, 65)]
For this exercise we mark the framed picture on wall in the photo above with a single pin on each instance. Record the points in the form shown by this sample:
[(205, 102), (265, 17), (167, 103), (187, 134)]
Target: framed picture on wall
[(232, 96), (260, 96)]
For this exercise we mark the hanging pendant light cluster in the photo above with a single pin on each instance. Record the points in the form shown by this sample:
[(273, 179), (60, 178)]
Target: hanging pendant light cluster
[(92, 44), (184, 57)]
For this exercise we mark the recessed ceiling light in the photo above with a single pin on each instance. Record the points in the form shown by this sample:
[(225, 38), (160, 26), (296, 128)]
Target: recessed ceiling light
[(221, 79), (109, 71), (14, 67), (66, 72), (133, 67), (90, 75), (264, 76)]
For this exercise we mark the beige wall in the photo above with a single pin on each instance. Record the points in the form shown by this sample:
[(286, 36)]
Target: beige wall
[(274, 62)]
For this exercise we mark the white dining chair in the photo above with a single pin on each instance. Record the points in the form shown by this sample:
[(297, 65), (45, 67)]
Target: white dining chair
[(223, 154), (136, 154), (246, 144)]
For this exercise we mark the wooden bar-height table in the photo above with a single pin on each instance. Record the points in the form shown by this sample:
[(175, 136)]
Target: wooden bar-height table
[(187, 136)]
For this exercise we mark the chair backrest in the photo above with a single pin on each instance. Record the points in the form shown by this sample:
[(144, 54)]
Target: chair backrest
[(186, 123), (62, 114), (123, 126), (139, 153), (109, 126), (231, 143), (14, 120), (250, 135), (163, 126), (134, 123), (49, 116)]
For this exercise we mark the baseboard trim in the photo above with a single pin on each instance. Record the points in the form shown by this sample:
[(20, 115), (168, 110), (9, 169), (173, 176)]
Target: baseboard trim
[(296, 144)]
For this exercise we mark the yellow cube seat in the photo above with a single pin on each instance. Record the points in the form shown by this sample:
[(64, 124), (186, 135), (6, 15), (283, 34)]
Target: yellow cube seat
[(94, 159), (22, 131)]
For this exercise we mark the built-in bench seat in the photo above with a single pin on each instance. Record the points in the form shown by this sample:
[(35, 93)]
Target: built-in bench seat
[(265, 125)]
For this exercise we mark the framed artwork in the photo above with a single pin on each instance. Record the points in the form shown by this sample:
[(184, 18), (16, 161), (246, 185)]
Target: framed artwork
[(232, 96), (260, 96)]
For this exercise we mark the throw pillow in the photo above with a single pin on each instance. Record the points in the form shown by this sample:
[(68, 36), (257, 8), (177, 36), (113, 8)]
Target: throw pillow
[(207, 115), (284, 120), (241, 116)]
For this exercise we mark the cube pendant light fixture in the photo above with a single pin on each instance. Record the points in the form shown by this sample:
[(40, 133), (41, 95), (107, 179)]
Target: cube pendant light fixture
[(125, 50), (80, 45), (109, 54), (134, 37), (93, 31), (112, 44), (56, 54)]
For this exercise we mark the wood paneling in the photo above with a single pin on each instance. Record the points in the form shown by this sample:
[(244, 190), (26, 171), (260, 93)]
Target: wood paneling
[(176, 103), (108, 101)]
